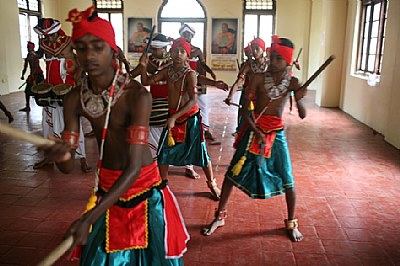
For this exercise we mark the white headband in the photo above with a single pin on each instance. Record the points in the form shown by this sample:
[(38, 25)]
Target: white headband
[(187, 28)]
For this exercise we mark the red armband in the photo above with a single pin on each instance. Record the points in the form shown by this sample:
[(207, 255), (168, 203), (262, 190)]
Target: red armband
[(137, 135), (71, 138)]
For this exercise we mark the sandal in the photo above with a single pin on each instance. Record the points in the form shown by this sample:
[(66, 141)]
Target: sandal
[(215, 191), (219, 221), (292, 230)]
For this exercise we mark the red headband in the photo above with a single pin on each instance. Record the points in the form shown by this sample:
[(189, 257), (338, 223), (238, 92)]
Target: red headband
[(247, 48), (181, 42), (98, 27), (259, 42), (284, 51)]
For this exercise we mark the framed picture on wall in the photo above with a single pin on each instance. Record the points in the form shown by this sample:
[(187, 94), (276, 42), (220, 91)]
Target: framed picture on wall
[(224, 35), (138, 30)]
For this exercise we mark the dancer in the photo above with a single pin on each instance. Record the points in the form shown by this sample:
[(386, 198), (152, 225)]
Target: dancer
[(186, 144), (133, 215), (35, 76), (198, 63), (261, 165), (252, 66), (6, 112), (61, 68)]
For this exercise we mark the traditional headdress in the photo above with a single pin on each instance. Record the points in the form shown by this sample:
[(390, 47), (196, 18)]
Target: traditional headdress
[(159, 41), (87, 22), (31, 45), (259, 42), (47, 26), (284, 47), (187, 28), (181, 42), (247, 48)]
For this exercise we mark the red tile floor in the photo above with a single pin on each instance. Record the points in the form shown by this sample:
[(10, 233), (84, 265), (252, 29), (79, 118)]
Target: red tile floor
[(346, 180)]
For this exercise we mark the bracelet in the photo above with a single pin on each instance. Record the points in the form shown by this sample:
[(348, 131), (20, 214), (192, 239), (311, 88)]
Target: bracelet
[(137, 135), (71, 138)]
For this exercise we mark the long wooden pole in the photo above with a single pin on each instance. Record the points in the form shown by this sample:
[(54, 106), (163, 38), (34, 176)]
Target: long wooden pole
[(57, 252), (319, 70), (19, 134)]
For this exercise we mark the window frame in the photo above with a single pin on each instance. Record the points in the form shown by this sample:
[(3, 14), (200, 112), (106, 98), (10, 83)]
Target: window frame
[(29, 13), (109, 11), (160, 20), (363, 69), (259, 13)]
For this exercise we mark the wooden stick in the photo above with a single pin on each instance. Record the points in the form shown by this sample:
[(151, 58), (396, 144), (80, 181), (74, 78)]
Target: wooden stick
[(320, 69), (146, 50), (19, 134), (235, 104), (57, 252)]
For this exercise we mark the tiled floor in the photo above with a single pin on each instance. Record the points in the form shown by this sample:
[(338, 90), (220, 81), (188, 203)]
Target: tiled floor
[(347, 186)]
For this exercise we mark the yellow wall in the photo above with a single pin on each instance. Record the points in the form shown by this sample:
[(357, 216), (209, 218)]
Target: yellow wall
[(11, 62), (377, 107)]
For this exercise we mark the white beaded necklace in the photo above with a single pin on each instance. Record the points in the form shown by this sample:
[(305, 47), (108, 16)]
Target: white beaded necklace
[(94, 104)]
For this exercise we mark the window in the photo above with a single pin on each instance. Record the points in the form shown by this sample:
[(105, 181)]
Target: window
[(259, 20), (112, 10), (174, 13), (372, 36), (29, 14)]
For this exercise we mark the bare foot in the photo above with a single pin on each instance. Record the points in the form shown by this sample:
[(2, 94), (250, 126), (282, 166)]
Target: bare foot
[(10, 117), (190, 172), (25, 109), (207, 231), (294, 235), (84, 166), (208, 135), (90, 134), (214, 190), (43, 163), (293, 231)]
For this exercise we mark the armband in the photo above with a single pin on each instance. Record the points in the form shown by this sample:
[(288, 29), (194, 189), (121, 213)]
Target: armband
[(137, 135), (71, 138)]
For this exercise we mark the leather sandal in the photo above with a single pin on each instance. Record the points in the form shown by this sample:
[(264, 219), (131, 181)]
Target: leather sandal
[(215, 191)]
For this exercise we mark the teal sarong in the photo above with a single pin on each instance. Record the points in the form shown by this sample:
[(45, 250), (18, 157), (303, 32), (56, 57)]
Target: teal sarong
[(94, 254), (192, 151), (262, 178)]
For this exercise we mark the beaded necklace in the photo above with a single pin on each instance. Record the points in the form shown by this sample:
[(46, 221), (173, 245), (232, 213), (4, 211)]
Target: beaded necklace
[(94, 104), (276, 91), (176, 75), (259, 69)]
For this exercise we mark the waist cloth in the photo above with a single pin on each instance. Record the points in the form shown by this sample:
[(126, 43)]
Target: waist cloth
[(264, 173), (190, 146), (144, 227)]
